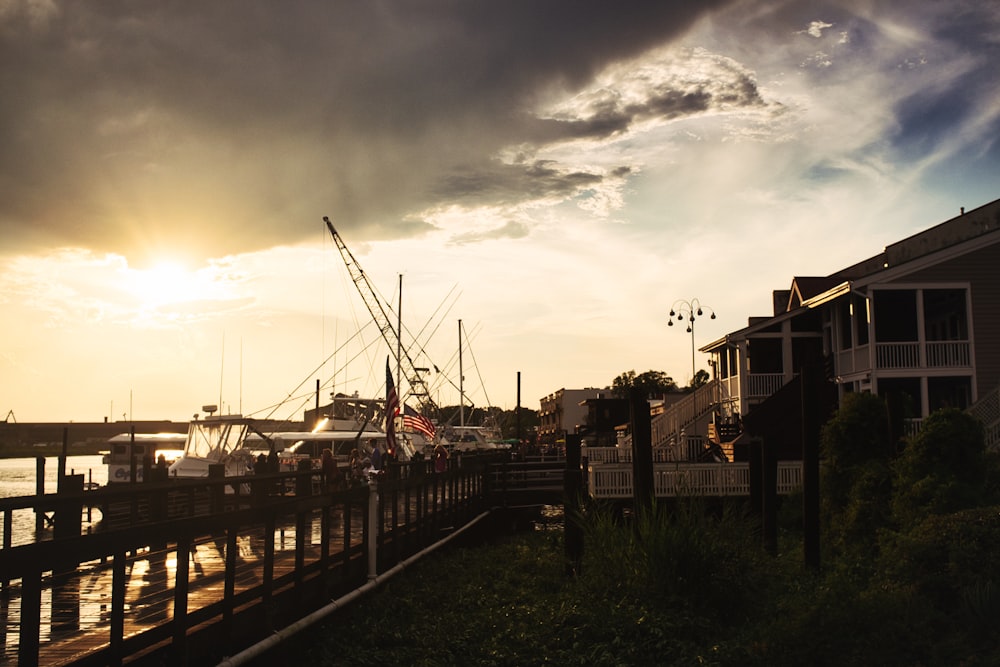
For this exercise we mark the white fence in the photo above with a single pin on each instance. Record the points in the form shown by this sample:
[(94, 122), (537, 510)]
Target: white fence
[(624, 454), (614, 480)]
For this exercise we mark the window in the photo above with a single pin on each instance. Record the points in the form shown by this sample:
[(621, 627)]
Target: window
[(765, 355), (895, 316), (844, 322), (905, 392), (949, 392), (944, 314), (859, 306), (806, 352)]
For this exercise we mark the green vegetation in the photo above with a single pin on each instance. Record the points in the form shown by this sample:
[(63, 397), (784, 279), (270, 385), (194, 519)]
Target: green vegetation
[(909, 576), (650, 383)]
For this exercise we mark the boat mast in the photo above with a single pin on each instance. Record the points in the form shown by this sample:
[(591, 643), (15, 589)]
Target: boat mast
[(461, 380)]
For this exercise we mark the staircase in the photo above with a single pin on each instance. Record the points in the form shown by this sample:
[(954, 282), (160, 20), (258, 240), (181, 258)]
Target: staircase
[(684, 416), (987, 410)]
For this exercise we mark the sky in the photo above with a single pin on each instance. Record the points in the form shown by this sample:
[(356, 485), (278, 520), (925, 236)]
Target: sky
[(544, 181)]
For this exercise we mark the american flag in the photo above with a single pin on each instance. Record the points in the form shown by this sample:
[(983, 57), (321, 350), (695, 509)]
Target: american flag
[(417, 422), (391, 409)]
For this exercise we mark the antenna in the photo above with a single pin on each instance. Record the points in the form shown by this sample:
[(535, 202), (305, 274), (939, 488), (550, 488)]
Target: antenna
[(222, 365)]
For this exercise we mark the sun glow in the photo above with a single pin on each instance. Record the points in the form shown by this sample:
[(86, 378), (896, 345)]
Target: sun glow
[(166, 284)]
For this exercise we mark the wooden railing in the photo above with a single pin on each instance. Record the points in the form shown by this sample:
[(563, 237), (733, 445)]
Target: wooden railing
[(762, 385), (933, 354), (210, 576), (948, 354), (614, 481), (624, 454), (666, 427)]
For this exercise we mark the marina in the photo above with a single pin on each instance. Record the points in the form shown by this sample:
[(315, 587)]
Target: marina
[(126, 572)]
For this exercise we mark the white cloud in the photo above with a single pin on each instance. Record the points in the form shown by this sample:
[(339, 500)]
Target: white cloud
[(816, 28)]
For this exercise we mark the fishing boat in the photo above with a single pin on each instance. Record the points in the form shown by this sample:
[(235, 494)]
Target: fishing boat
[(219, 440), (472, 438), (125, 458), (237, 443)]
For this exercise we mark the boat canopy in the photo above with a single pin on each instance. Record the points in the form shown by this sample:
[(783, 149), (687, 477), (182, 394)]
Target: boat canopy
[(213, 439)]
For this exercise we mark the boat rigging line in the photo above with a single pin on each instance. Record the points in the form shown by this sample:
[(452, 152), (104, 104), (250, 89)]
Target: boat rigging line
[(377, 309)]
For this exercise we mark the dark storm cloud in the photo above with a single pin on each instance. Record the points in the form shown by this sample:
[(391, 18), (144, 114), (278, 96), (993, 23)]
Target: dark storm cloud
[(241, 123), (495, 184)]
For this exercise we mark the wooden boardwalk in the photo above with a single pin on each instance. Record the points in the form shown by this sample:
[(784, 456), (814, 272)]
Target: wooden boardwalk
[(190, 572), (77, 606), (206, 581)]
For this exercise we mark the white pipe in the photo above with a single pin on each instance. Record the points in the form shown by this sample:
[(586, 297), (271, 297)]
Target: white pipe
[(285, 633)]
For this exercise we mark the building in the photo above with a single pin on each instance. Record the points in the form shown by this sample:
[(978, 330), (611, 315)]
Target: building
[(918, 323), (563, 412), (604, 417)]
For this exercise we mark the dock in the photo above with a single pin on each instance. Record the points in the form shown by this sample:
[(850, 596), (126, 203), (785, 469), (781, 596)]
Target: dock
[(189, 570), (194, 571)]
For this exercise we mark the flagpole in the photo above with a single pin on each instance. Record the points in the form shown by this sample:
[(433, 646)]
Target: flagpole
[(461, 380), (399, 340)]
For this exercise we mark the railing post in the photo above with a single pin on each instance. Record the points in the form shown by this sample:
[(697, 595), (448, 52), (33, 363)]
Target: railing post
[(769, 498), (181, 587), (755, 477), (372, 530), (642, 452), (39, 491), (811, 386), (572, 488), (217, 492), (31, 611)]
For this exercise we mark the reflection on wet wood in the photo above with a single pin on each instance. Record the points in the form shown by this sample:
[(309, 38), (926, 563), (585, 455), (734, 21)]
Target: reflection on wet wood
[(145, 585)]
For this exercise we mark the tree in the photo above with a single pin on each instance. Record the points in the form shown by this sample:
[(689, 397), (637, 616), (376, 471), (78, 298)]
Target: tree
[(650, 383), (700, 378), (856, 475), (942, 469)]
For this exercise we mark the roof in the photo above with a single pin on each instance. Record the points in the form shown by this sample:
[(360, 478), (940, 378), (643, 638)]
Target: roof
[(968, 231), (806, 287)]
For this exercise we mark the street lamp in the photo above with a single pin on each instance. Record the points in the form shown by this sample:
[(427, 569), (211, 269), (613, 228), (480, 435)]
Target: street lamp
[(690, 311)]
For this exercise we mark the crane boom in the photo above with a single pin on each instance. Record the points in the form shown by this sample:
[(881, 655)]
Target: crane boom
[(377, 309)]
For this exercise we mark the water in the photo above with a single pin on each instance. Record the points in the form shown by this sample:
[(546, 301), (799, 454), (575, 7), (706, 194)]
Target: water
[(17, 478)]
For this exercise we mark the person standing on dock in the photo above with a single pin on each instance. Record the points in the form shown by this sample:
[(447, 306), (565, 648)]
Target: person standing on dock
[(440, 458), (331, 473), (354, 467)]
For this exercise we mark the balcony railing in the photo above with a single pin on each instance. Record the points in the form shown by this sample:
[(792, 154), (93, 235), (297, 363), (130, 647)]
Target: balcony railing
[(948, 353), (897, 355), (937, 354), (762, 385)]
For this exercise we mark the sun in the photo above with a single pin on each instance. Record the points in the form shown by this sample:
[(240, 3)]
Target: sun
[(165, 283)]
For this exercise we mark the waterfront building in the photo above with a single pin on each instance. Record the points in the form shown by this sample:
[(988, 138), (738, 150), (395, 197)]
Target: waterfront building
[(918, 323), (562, 412)]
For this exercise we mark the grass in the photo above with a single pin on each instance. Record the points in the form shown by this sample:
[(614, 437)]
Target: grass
[(679, 587)]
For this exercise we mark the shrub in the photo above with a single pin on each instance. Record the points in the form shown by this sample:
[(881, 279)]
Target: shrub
[(942, 469), (856, 479), (684, 554)]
